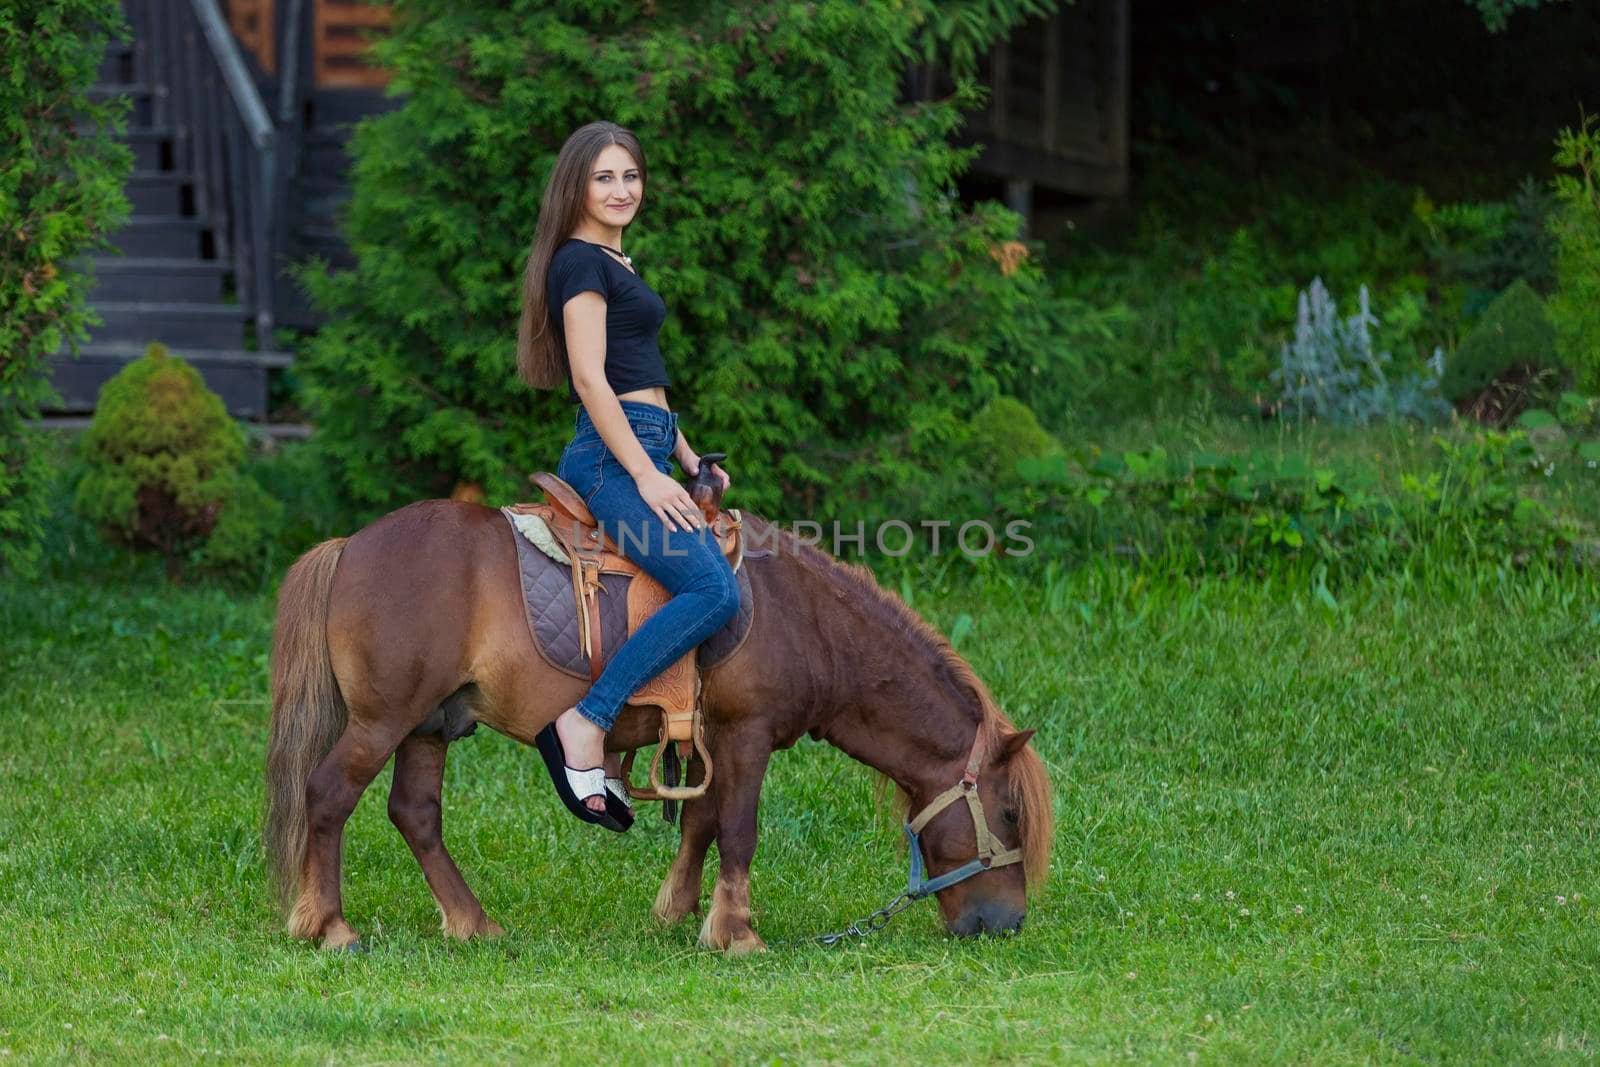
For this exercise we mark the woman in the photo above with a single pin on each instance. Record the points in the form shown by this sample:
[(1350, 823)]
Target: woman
[(589, 321)]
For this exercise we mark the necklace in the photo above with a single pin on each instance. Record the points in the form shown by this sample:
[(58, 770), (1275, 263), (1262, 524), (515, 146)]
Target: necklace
[(625, 257)]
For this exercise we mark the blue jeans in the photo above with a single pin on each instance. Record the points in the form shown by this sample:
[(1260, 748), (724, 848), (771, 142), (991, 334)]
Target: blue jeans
[(688, 564)]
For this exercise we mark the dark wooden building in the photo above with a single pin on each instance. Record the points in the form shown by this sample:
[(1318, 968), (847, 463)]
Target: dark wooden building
[(1057, 117)]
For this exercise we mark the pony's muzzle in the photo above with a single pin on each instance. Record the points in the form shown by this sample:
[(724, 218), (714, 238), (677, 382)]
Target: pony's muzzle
[(987, 918)]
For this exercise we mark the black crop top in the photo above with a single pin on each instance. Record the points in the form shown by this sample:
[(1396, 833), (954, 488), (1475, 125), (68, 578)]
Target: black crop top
[(634, 314)]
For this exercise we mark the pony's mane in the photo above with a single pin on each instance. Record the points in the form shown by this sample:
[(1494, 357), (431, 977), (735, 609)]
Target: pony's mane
[(1030, 785)]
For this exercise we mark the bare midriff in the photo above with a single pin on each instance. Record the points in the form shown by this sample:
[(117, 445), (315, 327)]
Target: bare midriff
[(655, 394)]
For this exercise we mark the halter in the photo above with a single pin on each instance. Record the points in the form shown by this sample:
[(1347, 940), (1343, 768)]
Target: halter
[(989, 855)]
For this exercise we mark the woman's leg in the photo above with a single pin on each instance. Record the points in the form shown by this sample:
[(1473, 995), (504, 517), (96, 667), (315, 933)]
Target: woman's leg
[(688, 564), (705, 595)]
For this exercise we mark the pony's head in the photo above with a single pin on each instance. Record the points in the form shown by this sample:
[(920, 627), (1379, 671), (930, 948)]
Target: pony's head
[(929, 712), (1015, 805)]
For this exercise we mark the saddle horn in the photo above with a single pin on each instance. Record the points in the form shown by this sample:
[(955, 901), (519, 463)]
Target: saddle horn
[(705, 488)]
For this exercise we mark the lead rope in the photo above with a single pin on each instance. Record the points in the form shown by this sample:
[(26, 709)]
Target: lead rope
[(861, 927)]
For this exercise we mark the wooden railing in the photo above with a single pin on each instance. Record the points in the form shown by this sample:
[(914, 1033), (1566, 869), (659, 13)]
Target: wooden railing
[(222, 136)]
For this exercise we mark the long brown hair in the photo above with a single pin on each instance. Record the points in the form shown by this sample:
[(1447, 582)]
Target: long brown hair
[(540, 361)]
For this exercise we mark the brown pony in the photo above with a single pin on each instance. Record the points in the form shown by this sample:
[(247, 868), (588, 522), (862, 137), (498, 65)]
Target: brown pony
[(421, 613)]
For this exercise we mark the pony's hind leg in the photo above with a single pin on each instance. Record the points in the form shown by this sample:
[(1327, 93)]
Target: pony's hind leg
[(414, 810), (331, 795)]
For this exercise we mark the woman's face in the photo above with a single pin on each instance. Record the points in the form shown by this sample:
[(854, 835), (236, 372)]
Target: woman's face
[(615, 188)]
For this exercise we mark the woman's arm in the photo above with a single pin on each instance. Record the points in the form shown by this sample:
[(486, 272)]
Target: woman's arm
[(585, 320), (686, 456)]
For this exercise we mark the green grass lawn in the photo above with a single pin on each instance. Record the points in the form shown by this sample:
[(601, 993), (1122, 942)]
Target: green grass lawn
[(1287, 833)]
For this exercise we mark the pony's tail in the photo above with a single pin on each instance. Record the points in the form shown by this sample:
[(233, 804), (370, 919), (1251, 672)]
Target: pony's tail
[(308, 712)]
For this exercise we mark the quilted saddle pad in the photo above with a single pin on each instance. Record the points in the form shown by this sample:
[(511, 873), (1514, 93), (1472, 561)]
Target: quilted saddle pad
[(553, 613)]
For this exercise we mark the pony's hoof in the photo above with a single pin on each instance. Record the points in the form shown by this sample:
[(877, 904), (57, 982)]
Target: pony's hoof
[(747, 944), (669, 910), (469, 928), (341, 937)]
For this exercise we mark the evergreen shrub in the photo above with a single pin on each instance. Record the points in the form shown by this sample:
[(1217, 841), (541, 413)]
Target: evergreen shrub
[(161, 463), (1507, 360), (834, 315), (61, 174), (1480, 248)]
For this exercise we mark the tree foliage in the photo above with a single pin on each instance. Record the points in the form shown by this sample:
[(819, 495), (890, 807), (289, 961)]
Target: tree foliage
[(1575, 306), (833, 312), (1497, 13), (61, 179)]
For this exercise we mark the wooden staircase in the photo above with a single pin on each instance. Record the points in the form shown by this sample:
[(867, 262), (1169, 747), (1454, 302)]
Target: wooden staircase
[(172, 281)]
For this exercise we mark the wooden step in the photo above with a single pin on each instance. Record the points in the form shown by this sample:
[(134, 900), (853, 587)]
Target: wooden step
[(141, 99), (117, 64), (177, 324), (146, 280), (168, 236), (239, 377), (159, 192), (152, 147)]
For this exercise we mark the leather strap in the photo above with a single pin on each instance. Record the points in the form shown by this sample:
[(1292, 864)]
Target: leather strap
[(967, 789), (593, 621)]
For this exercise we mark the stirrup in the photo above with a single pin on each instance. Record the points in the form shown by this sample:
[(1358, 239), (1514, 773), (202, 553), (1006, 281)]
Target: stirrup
[(695, 745)]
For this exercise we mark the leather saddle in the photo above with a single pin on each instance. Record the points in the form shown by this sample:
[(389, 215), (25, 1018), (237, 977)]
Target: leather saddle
[(676, 690)]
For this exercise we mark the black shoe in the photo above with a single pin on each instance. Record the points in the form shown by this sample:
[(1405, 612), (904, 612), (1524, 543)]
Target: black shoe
[(575, 786)]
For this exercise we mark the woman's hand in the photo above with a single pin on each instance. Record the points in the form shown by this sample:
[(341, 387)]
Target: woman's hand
[(671, 502)]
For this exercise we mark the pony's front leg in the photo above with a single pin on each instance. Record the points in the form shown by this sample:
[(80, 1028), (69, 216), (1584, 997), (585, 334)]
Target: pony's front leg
[(741, 764), (680, 890)]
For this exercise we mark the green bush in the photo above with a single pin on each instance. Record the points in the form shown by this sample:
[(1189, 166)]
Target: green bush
[(978, 476), (1250, 512), (1202, 289), (1480, 248), (161, 469), (1575, 307), (1004, 432), (61, 176), (1507, 361), (1578, 412), (834, 316)]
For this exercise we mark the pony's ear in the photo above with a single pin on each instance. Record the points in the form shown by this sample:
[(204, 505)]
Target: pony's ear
[(1011, 744)]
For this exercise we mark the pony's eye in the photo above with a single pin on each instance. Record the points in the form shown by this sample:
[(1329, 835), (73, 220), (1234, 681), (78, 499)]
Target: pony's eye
[(1010, 816)]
